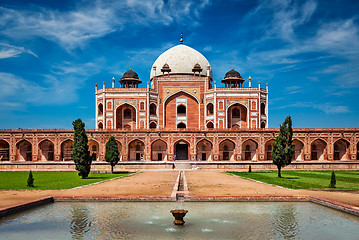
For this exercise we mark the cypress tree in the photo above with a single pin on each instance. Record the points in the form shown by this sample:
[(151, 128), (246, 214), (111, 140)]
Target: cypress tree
[(80, 152), (333, 181), (250, 169), (283, 149), (111, 154), (30, 180)]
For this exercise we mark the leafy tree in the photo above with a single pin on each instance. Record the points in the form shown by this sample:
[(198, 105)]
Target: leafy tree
[(283, 149), (30, 180), (111, 154), (80, 152), (333, 181)]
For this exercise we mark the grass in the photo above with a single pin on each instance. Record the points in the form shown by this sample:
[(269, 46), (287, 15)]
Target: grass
[(305, 179), (51, 180)]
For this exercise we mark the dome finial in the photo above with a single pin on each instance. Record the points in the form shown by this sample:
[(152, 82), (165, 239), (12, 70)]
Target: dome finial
[(181, 40)]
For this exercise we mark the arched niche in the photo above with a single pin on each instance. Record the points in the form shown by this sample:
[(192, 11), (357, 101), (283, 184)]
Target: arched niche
[(210, 109), (210, 125), (158, 150), (341, 148), (94, 149), (226, 150), (24, 150), (263, 109), (268, 149), (298, 150), (181, 126), (66, 150), (237, 116), (136, 150), (4, 150), (100, 109), (100, 125), (204, 150), (126, 117), (249, 150), (153, 125), (318, 149), (153, 109), (46, 150)]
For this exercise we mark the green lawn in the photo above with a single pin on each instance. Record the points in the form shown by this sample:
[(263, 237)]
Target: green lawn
[(305, 179), (51, 180)]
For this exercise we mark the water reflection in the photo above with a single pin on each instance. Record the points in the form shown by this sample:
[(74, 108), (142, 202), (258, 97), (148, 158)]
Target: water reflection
[(285, 222), (80, 222)]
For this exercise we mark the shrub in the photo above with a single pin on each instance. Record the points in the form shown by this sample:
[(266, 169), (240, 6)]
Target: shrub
[(250, 169), (30, 180), (333, 181)]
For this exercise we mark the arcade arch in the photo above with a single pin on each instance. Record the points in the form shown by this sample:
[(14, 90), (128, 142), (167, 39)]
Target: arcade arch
[(66, 150), (136, 150), (226, 150), (4, 150), (268, 149), (249, 149), (318, 149), (298, 150), (204, 150), (46, 150), (181, 150), (24, 150), (158, 150), (94, 149), (341, 148)]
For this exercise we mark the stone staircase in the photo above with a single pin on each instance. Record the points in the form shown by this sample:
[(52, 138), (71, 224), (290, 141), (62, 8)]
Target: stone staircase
[(182, 165)]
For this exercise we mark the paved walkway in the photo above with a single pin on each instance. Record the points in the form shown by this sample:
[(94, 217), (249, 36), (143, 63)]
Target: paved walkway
[(161, 183)]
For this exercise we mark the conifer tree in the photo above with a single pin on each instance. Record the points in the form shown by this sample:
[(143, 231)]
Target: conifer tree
[(30, 180), (333, 181), (80, 152), (111, 154), (283, 149)]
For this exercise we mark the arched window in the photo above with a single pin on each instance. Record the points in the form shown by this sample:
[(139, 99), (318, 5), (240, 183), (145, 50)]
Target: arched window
[(248, 148), (263, 125), (100, 125), (181, 125), (100, 109), (225, 148), (138, 147), (210, 125), (181, 109), (94, 148), (263, 109), (269, 147), (127, 114), (153, 109), (153, 125), (314, 147), (235, 113), (109, 105), (209, 109)]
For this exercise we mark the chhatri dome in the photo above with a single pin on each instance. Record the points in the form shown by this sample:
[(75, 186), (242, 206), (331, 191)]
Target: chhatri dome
[(180, 59)]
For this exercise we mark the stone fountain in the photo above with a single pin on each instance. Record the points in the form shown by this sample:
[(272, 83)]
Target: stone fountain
[(179, 215)]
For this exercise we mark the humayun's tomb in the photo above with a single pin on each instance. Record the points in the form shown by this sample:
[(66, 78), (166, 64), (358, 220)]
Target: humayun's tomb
[(181, 119)]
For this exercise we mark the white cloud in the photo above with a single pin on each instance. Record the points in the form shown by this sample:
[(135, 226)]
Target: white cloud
[(9, 51), (92, 20), (328, 108)]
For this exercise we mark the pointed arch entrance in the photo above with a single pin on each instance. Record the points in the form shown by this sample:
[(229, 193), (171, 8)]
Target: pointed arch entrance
[(226, 150), (66, 150), (136, 150), (341, 150), (204, 150), (181, 150), (318, 149), (46, 151), (4, 150), (249, 149), (24, 150), (158, 150)]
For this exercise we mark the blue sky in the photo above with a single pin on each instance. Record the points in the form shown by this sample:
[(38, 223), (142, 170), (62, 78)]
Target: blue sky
[(53, 52)]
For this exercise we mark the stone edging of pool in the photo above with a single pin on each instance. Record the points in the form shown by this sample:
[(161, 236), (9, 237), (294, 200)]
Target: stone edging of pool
[(321, 201)]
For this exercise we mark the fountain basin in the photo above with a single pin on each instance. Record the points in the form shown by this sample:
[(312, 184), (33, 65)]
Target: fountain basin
[(179, 215)]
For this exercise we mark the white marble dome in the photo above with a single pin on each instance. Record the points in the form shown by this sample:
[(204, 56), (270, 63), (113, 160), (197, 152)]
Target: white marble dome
[(180, 59)]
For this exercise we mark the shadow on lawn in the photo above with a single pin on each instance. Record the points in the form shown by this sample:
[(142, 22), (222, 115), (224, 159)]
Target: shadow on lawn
[(291, 177)]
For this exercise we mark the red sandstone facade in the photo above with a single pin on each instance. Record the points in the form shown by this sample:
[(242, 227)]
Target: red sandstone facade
[(181, 115)]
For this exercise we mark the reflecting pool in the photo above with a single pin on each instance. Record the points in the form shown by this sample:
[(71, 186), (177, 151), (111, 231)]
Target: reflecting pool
[(204, 220)]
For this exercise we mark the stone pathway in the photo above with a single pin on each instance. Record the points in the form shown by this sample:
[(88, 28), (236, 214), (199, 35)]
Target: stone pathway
[(161, 184)]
